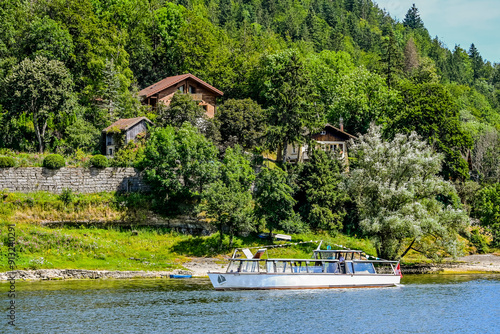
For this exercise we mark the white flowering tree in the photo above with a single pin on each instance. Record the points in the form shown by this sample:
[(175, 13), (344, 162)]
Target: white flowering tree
[(400, 197)]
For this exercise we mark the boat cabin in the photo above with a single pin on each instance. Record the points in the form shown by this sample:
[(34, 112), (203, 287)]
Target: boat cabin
[(323, 262), (325, 269)]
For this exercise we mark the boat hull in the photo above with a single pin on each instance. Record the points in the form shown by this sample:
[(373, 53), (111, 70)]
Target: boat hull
[(264, 281)]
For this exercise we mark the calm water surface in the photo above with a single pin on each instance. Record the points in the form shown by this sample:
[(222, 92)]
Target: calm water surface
[(424, 304)]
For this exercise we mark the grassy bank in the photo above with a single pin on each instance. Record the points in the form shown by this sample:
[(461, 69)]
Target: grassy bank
[(42, 206), (114, 248), (104, 247), (40, 247)]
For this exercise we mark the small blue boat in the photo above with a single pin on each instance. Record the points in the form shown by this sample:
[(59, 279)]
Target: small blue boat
[(180, 276)]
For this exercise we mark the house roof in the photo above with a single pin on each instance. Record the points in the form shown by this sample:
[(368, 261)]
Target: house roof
[(126, 123), (338, 130), (170, 81)]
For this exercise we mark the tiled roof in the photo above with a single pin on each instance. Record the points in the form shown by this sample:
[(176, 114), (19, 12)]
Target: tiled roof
[(126, 123), (170, 81), (337, 129)]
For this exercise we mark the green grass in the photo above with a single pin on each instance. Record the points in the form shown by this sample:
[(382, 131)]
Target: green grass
[(43, 206), (39, 247)]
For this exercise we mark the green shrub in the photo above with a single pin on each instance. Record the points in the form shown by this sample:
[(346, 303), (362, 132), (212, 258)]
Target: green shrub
[(99, 161), (6, 162), (54, 161), (480, 241), (67, 196)]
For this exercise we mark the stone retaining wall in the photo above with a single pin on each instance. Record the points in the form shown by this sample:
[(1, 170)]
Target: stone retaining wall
[(81, 180)]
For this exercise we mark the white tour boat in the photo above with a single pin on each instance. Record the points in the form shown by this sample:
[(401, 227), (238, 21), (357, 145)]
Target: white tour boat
[(326, 269)]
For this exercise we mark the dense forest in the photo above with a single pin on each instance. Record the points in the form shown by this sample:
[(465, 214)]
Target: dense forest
[(69, 68)]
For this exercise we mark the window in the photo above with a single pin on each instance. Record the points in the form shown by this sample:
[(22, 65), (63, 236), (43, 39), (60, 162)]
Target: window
[(110, 151), (180, 89), (204, 107), (293, 149), (192, 90)]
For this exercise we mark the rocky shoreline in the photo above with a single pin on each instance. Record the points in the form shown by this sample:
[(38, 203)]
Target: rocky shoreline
[(65, 274), (198, 267)]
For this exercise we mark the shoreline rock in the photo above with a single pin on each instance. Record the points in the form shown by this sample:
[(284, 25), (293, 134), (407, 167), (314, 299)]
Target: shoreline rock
[(68, 274)]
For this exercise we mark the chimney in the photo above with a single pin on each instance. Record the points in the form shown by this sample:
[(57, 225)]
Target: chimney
[(341, 121)]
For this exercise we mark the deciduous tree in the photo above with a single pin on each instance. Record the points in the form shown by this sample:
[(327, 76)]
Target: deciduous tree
[(240, 122), (395, 186), (274, 201), (182, 108), (40, 88), (228, 201), (429, 110), (179, 163)]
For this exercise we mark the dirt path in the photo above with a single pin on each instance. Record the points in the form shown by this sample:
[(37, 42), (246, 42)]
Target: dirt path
[(201, 266), (477, 263)]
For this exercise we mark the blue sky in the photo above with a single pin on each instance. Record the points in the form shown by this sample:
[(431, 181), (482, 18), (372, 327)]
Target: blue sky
[(458, 22)]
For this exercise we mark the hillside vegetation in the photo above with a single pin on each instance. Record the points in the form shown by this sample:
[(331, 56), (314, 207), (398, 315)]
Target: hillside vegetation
[(423, 176)]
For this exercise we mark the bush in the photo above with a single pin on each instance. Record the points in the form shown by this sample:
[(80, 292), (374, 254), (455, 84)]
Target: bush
[(6, 162), (99, 161), (480, 241), (67, 196), (54, 161)]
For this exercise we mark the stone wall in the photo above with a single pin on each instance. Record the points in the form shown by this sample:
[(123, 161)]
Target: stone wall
[(81, 180)]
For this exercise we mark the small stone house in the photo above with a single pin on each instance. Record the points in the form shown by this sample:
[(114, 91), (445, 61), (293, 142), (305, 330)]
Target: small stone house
[(121, 132), (164, 90), (329, 139)]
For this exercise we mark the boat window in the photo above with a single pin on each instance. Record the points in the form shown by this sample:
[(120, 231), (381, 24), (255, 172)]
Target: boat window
[(315, 267), (328, 255), (270, 266), (283, 266), (249, 267), (331, 267), (383, 268), (299, 267), (364, 268), (233, 266)]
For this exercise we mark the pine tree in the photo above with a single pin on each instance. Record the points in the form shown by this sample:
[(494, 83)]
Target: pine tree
[(391, 59), (476, 60), (412, 19)]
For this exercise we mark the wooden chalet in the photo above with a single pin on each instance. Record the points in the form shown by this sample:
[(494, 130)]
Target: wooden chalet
[(122, 132), (329, 139), (164, 90)]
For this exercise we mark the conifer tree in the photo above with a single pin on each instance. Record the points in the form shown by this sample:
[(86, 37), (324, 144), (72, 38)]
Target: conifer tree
[(412, 19), (476, 60), (391, 59)]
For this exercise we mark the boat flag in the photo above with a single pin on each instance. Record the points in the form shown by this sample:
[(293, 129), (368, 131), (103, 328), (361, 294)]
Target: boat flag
[(398, 270)]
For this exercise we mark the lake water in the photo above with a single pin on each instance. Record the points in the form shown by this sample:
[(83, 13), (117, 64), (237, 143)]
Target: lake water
[(424, 304)]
